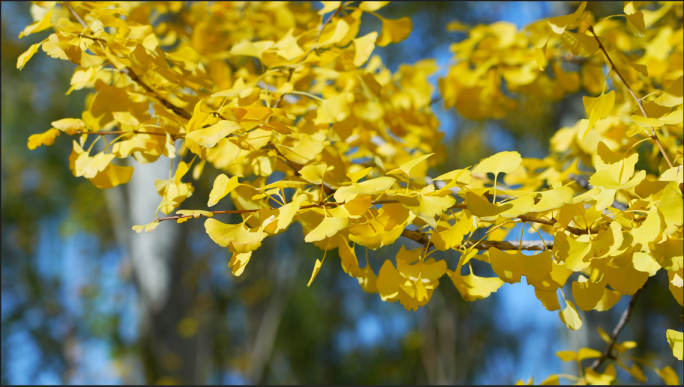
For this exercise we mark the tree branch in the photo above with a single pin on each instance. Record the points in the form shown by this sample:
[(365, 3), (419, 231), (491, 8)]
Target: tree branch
[(654, 136), (616, 332), (129, 71), (424, 238)]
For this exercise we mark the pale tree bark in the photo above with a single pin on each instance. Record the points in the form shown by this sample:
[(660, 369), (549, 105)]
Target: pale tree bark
[(159, 261)]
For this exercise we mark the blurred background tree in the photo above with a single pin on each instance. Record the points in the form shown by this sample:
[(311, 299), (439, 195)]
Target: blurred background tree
[(85, 300)]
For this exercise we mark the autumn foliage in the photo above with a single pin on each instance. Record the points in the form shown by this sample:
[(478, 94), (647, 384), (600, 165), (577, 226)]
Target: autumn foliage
[(279, 89)]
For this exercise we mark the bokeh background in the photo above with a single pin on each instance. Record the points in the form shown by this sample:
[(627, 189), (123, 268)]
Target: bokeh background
[(86, 300)]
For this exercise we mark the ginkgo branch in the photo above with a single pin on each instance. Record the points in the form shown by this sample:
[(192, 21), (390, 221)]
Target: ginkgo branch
[(607, 354), (654, 135), (129, 71), (126, 132), (424, 238)]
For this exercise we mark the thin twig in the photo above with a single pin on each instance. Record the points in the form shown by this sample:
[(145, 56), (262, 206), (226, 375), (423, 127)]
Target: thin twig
[(128, 132), (654, 135), (424, 239), (73, 12), (616, 332)]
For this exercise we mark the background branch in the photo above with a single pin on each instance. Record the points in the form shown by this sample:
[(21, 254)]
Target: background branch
[(616, 332)]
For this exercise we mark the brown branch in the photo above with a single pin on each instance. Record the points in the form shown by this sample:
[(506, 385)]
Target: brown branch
[(654, 136), (616, 332), (129, 132), (178, 111), (424, 238)]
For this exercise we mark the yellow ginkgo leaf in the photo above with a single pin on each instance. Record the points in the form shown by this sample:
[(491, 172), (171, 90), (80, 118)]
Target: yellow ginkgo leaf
[(548, 299), (458, 176), (672, 96), (358, 175), (579, 44), (372, 5), (597, 108), (676, 283), (288, 48), (326, 229), (506, 162), (350, 264), (649, 231), (672, 208), (555, 279), (388, 282), (540, 56), (182, 169), (636, 24), (112, 176), (406, 167), (554, 198), (317, 268), (609, 299), (636, 373), (669, 253), (570, 317), (222, 187), (334, 35), (587, 293), (210, 136), (234, 236), (645, 262), (284, 215), (560, 23), (255, 49), (334, 109), (473, 287), (45, 138), (587, 353), (172, 192), (24, 58), (329, 6), (567, 355), (38, 26), (238, 262), (593, 377), (624, 279), (668, 375), (89, 167), (364, 46), (147, 227), (367, 187), (357, 207), (510, 267), (427, 206), (394, 31), (69, 125), (314, 174), (482, 208), (675, 339), (126, 118), (615, 177), (457, 25), (453, 236)]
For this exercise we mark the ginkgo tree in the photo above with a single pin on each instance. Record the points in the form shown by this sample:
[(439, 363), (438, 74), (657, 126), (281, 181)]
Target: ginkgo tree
[(304, 95)]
